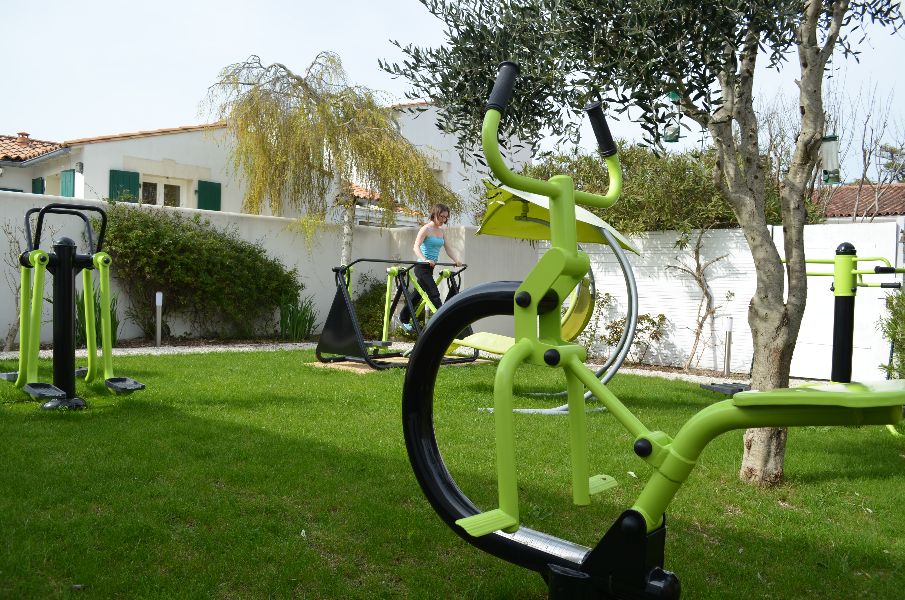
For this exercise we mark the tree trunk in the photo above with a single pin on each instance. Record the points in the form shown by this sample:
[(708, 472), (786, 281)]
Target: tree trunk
[(348, 225)]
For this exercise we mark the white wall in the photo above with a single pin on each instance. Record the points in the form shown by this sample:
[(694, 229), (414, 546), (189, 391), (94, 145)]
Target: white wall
[(313, 258), (419, 126), (662, 290)]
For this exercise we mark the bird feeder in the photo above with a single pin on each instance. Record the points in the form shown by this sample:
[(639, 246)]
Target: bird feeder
[(829, 156)]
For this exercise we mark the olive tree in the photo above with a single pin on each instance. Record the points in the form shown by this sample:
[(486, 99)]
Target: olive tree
[(297, 137), (634, 53)]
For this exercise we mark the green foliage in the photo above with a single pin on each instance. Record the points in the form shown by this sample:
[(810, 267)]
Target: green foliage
[(632, 53), (220, 283), (661, 192), (80, 334), (370, 302), (296, 135), (648, 331), (893, 326), (298, 318)]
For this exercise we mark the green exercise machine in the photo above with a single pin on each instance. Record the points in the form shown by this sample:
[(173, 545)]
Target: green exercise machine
[(64, 262), (628, 562)]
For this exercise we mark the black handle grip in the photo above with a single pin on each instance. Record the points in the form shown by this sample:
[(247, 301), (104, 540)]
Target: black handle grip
[(884, 269), (601, 129), (68, 209), (894, 286), (502, 87)]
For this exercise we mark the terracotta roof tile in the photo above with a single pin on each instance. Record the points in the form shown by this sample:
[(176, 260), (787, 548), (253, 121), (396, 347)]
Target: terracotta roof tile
[(842, 199), (22, 147), (412, 104), (149, 133)]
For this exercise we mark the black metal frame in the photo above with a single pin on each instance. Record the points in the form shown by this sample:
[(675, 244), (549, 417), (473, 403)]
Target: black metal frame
[(342, 340)]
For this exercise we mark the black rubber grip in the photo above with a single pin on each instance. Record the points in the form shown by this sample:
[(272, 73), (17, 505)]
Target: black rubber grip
[(502, 87), (891, 285), (884, 269), (601, 129)]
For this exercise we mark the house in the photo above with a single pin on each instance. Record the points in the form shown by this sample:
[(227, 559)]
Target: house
[(190, 166), (865, 202)]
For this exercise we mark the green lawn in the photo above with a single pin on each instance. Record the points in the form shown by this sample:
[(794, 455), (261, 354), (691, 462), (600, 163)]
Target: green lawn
[(258, 476)]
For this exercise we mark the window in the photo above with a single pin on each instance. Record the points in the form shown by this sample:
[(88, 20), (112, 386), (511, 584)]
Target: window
[(163, 191), (37, 185)]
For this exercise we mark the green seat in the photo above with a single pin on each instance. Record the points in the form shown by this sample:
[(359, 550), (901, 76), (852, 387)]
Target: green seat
[(849, 395)]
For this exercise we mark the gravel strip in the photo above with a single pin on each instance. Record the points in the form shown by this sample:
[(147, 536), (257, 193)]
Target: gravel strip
[(161, 350)]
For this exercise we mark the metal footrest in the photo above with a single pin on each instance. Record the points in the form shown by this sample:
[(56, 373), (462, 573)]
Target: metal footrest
[(487, 522), (378, 344), (44, 391), (730, 389), (81, 371), (124, 385), (9, 376)]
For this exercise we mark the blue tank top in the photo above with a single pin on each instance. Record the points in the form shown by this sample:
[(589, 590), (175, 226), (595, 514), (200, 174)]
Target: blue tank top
[(430, 247)]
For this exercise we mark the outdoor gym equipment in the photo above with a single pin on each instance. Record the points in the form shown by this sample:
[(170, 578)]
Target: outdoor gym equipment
[(342, 339), (524, 215), (64, 262), (628, 561), (847, 278)]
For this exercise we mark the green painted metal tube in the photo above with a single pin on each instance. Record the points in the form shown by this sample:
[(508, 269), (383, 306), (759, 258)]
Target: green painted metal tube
[(706, 425), (507, 480), (489, 141), (25, 274), (844, 283), (39, 259), (90, 327), (388, 299), (102, 261), (578, 434)]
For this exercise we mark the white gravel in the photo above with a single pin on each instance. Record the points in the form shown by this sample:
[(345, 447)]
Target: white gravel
[(207, 349)]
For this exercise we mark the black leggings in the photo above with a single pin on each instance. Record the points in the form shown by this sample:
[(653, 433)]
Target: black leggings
[(424, 274)]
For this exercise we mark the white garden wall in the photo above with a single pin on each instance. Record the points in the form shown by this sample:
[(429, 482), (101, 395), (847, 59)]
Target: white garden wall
[(661, 290)]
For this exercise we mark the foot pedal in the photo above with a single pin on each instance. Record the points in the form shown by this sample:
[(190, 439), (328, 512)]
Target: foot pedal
[(9, 376), (730, 389), (69, 403), (487, 522), (44, 391), (601, 483), (81, 371), (124, 385)]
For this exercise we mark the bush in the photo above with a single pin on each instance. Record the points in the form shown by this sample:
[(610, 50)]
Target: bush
[(80, 334), (893, 327), (369, 306), (297, 318), (209, 276)]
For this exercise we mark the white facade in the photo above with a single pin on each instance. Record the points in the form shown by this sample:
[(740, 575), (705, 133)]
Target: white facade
[(170, 164)]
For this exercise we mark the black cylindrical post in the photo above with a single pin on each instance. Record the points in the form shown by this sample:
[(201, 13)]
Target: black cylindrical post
[(843, 333), (64, 316), (844, 288)]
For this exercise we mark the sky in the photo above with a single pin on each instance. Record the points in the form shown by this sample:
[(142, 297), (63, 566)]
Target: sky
[(95, 67)]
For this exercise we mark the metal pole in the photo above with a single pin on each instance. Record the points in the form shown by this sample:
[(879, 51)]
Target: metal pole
[(158, 306), (727, 347)]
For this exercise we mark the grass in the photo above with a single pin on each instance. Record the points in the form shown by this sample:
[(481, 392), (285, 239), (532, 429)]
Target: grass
[(257, 476)]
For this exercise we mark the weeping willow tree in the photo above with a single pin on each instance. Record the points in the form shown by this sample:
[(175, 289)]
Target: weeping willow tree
[(302, 141)]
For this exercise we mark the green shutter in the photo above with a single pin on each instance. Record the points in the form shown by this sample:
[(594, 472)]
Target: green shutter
[(37, 185), (208, 195), (67, 183), (124, 185)]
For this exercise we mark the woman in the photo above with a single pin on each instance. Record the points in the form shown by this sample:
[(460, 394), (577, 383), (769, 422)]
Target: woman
[(428, 242)]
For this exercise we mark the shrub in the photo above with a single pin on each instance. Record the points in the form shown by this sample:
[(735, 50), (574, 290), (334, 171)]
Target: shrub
[(369, 306), (648, 331), (210, 276), (893, 327), (80, 335), (297, 318)]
